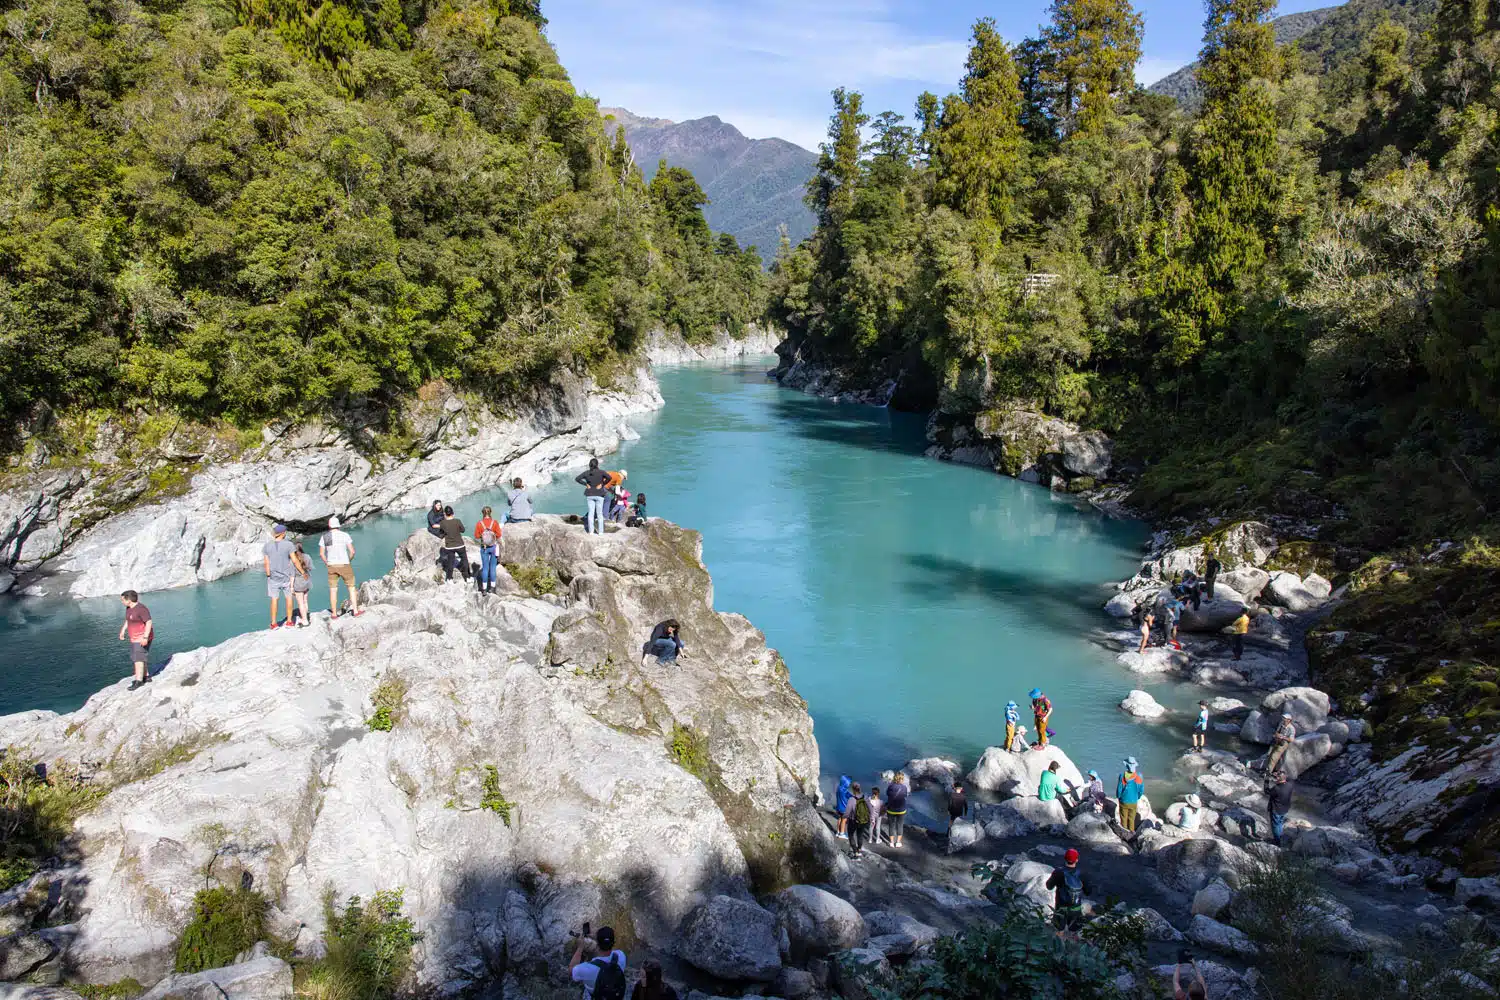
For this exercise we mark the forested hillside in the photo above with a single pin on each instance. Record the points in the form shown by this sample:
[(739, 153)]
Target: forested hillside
[(259, 208), (1183, 84), (1288, 301)]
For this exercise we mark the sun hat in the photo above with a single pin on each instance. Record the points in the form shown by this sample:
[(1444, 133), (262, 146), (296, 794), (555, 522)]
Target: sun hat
[(1035, 693), (1010, 704), (1130, 762), (1071, 857), (1093, 774), (1194, 801), (333, 522)]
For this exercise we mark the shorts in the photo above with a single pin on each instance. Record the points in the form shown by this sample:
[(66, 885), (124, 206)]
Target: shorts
[(341, 571), (276, 586), (138, 653), (897, 823), (1068, 919), (1199, 727)]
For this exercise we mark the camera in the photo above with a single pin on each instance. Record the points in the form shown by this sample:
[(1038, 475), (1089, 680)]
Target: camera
[(1184, 956), (585, 932)]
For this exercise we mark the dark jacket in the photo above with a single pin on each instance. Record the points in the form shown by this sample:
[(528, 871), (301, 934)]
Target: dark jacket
[(895, 798), (1057, 882), (434, 518), (593, 480), (661, 632), (958, 805), (1280, 797), (452, 531)]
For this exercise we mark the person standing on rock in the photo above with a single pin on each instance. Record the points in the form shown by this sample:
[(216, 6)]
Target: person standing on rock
[(276, 557), (487, 534), (1069, 887), (1012, 720), (1238, 631), (1046, 789), (455, 551), (301, 584), (603, 975), (518, 500), (1174, 618), (1128, 792), (1041, 708), (651, 986), (336, 549), (895, 807), (859, 821), (595, 494), (877, 813), (1286, 732), (958, 806), (1211, 575), (435, 518), (1279, 801), (139, 630), (1200, 728), (841, 797), (1147, 624)]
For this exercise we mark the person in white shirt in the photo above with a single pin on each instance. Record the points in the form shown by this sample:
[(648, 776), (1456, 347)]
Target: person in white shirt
[(336, 549), (587, 972)]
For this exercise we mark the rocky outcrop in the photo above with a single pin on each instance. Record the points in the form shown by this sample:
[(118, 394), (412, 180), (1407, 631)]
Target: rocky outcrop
[(665, 349), (1020, 774), (1141, 705), (523, 728), (100, 526), (264, 978), (1025, 444)]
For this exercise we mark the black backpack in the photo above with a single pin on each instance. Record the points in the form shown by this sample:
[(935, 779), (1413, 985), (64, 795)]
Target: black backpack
[(1072, 888), (610, 984)]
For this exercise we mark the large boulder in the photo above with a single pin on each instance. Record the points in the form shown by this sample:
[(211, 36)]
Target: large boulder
[(963, 834), (1141, 705), (1245, 543), (1214, 615), (266, 978), (1157, 927), (1209, 933), (1247, 581), (817, 922), (732, 939), (932, 771), (884, 923), (1155, 661), (1296, 594), (1009, 773), (1020, 817), (1092, 828), (1189, 865), (1306, 752), (1212, 899), (1307, 706)]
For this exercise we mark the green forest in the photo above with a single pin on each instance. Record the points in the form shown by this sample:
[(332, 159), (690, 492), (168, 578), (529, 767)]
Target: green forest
[(244, 209), (1289, 299)]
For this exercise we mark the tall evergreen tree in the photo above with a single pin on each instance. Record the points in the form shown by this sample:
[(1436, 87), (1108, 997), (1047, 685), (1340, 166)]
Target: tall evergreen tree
[(1094, 46), (830, 193), (981, 153)]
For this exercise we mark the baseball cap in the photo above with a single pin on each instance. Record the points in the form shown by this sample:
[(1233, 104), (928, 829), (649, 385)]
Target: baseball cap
[(278, 528), (605, 938), (1286, 715), (1071, 857), (333, 522), (1093, 774)]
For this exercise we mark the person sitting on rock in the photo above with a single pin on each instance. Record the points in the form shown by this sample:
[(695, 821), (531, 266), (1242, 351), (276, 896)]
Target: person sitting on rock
[(1093, 793), (1192, 590), (518, 500), (1128, 792), (1041, 708), (1285, 733), (435, 518), (1047, 788), (651, 986), (665, 643), (1239, 630), (637, 512), (1191, 817), (1012, 722), (1069, 889)]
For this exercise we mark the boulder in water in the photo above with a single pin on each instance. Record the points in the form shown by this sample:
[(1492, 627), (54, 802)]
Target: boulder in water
[(1155, 660), (1008, 773), (932, 771), (1141, 705)]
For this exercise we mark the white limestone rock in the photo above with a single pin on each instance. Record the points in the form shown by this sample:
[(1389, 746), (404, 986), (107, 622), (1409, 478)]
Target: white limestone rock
[(1209, 933), (731, 939), (265, 978), (1141, 705), (1020, 817), (817, 922), (1020, 773)]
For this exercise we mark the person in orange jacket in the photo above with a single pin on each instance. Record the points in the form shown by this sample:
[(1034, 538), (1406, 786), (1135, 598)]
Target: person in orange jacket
[(487, 534)]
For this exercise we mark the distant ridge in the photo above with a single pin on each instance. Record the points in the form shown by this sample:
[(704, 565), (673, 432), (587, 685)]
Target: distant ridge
[(754, 185), (1183, 84)]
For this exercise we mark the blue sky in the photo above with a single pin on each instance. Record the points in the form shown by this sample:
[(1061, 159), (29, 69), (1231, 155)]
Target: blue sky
[(767, 66)]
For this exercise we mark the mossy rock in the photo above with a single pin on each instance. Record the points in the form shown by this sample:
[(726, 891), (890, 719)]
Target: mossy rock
[(1304, 557)]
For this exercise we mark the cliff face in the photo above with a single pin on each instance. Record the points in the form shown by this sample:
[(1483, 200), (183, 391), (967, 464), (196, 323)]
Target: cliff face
[(535, 773), (100, 523)]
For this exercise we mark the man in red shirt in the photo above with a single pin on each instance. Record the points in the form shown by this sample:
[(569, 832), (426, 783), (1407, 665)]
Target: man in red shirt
[(138, 629)]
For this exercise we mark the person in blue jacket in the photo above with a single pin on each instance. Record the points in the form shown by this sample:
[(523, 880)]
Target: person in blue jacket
[(1128, 791), (841, 804), (1012, 720)]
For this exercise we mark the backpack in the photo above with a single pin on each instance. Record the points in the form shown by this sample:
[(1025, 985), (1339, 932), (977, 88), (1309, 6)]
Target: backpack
[(487, 537), (862, 813), (610, 984), (1072, 889)]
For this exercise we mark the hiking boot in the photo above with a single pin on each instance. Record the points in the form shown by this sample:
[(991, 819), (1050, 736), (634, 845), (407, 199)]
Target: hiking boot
[(133, 685)]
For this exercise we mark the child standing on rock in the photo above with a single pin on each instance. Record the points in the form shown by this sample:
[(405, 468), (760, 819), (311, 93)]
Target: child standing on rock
[(1200, 728), (1041, 708), (1012, 720), (877, 814)]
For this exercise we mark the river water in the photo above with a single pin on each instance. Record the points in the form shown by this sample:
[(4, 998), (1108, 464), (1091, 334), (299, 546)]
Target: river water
[(910, 598)]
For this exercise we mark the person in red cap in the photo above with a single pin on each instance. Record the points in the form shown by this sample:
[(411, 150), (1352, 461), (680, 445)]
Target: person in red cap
[(1069, 887)]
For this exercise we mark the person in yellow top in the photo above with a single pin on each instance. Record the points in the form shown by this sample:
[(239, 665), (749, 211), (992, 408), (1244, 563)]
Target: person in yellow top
[(1238, 630)]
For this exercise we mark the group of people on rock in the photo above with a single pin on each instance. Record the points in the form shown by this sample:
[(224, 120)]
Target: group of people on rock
[(1166, 613), (1015, 733), (865, 818), (288, 570), (607, 499)]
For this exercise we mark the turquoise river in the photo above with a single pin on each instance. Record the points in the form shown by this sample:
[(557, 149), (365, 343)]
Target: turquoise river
[(910, 597)]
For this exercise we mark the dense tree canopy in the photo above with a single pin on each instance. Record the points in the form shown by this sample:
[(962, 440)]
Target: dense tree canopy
[(253, 208), (1290, 297)]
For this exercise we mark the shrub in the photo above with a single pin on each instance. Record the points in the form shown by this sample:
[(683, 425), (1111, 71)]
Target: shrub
[(535, 577), (225, 922), (689, 748), (367, 950), (389, 700), (38, 805), (121, 989), (492, 799)]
